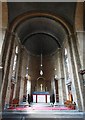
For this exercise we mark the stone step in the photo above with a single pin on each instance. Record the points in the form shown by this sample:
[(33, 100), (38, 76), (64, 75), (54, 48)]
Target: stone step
[(41, 104), (43, 115)]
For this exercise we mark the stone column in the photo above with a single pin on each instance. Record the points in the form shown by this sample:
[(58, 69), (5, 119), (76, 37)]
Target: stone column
[(21, 93), (52, 91), (64, 69), (1, 40), (0, 86), (78, 67), (84, 67), (18, 73), (3, 25), (23, 74), (10, 76), (28, 83), (55, 92), (62, 75), (75, 60), (61, 83), (25, 87), (79, 28), (80, 47), (7, 68)]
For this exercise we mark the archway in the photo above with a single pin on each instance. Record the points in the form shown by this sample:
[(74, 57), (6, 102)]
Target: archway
[(18, 21), (41, 84)]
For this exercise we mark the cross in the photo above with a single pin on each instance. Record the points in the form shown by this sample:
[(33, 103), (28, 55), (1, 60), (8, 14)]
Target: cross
[(41, 86)]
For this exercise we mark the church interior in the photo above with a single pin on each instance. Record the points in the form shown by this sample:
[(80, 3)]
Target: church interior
[(42, 60)]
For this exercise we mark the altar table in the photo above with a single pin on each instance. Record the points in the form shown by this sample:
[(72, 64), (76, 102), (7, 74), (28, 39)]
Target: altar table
[(41, 97)]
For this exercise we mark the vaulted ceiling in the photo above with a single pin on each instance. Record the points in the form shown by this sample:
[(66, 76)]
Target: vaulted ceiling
[(42, 34)]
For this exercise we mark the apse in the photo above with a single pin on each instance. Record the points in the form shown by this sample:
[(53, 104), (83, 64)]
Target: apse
[(41, 35)]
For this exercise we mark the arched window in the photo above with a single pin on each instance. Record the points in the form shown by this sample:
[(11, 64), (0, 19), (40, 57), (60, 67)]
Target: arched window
[(15, 63), (67, 68)]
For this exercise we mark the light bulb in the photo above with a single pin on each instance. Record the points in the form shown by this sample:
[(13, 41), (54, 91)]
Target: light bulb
[(55, 69), (41, 72), (41, 65)]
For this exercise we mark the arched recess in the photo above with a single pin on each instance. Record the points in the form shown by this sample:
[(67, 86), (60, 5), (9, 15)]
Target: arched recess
[(44, 33), (41, 84), (22, 18), (68, 28), (29, 15)]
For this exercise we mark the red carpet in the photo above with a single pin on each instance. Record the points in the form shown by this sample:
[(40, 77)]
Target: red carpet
[(39, 108)]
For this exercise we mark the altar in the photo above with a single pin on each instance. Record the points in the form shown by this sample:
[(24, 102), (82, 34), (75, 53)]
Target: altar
[(41, 97)]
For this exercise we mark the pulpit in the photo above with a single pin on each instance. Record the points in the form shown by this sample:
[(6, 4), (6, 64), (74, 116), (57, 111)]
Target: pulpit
[(41, 97)]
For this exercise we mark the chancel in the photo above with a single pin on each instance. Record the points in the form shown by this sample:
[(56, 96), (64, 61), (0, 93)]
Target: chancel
[(41, 55)]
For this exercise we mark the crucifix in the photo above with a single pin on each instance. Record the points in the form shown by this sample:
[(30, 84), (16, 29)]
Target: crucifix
[(41, 87)]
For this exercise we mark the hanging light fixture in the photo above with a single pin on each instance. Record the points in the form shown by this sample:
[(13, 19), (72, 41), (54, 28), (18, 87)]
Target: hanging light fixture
[(41, 71)]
